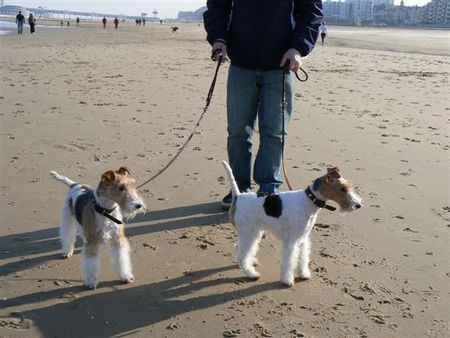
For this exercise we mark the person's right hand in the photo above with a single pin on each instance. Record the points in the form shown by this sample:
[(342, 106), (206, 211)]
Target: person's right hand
[(218, 45)]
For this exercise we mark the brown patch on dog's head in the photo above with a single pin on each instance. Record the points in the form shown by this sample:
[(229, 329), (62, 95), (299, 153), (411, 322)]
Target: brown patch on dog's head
[(108, 176), (124, 171), (120, 187), (339, 190)]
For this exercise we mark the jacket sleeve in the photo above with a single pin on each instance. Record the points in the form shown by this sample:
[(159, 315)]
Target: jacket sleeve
[(216, 19), (307, 16)]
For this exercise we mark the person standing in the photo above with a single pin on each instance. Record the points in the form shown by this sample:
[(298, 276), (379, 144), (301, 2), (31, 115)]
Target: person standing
[(116, 23), (104, 22), (259, 37), (323, 29), (31, 22), (78, 21), (20, 19)]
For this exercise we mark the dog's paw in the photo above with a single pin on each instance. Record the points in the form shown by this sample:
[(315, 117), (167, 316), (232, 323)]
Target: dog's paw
[(129, 279), (90, 285), (90, 282), (289, 283), (65, 255), (305, 274), (254, 275)]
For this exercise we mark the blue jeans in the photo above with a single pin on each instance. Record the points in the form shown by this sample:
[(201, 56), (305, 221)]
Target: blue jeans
[(252, 94), (19, 27)]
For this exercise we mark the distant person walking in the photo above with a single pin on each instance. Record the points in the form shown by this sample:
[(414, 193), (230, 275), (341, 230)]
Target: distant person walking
[(20, 19), (104, 22), (78, 21), (323, 30), (116, 23), (31, 22)]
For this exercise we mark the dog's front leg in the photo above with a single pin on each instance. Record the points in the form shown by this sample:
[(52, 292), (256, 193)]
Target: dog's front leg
[(91, 264), (289, 261), (121, 259)]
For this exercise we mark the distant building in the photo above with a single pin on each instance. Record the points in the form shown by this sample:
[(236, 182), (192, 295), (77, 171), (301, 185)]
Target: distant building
[(383, 12), (192, 16), (13, 10), (336, 12), (437, 11), (387, 3)]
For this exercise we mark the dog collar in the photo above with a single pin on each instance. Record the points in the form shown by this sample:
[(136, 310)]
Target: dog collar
[(318, 202), (106, 212)]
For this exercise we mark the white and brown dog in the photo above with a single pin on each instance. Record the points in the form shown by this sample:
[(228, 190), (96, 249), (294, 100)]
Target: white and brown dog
[(98, 215), (290, 216)]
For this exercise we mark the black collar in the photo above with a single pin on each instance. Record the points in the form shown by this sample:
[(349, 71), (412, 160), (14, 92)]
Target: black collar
[(106, 212), (317, 202)]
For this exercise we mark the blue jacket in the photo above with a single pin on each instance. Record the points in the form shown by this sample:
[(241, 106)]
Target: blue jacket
[(259, 32)]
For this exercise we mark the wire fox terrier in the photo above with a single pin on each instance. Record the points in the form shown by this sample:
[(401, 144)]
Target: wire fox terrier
[(290, 216), (99, 214)]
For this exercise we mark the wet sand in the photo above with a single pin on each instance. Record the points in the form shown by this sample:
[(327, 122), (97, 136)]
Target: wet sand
[(84, 100)]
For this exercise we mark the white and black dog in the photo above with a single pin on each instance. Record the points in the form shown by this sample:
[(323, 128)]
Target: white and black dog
[(98, 215), (290, 216)]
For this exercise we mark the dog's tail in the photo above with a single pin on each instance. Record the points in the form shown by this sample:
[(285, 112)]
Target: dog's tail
[(61, 178), (234, 187)]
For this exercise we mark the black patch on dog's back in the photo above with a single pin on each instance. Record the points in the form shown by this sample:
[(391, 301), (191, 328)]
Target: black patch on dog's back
[(81, 201), (273, 206)]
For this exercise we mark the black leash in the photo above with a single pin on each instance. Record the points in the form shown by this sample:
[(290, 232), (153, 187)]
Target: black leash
[(283, 107), (208, 101)]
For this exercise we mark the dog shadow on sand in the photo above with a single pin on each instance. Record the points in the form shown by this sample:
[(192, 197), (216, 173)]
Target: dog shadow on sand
[(28, 247), (125, 311)]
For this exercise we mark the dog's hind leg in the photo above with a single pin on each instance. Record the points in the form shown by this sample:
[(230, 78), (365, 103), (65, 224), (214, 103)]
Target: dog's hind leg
[(289, 261), (246, 250), (305, 250), (121, 259), (67, 232)]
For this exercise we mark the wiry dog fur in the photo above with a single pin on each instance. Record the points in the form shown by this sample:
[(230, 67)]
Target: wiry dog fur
[(116, 195), (288, 215)]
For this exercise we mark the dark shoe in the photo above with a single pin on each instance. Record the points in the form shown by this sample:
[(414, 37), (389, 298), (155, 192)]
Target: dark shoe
[(261, 193), (226, 201)]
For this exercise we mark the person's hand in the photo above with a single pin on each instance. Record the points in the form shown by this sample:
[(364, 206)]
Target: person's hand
[(218, 45), (294, 57)]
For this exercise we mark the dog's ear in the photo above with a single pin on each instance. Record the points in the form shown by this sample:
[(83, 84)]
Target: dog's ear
[(124, 171), (108, 176), (333, 169), (332, 174)]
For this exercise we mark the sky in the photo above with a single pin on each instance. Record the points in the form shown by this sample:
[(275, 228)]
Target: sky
[(166, 9)]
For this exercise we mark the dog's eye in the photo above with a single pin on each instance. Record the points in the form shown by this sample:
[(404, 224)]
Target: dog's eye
[(122, 187), (344, 189)]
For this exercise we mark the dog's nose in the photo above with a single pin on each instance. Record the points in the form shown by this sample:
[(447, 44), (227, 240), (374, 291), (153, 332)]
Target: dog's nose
[(357, 206), (138, 206)]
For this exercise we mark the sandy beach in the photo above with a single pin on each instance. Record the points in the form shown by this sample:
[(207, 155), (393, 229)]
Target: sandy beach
[(85, 100)]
